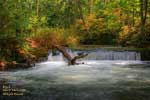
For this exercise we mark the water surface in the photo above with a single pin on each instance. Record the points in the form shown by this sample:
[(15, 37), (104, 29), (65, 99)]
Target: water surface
[(126, 79)]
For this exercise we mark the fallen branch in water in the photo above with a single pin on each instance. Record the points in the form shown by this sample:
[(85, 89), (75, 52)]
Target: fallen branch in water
[(71, 61)]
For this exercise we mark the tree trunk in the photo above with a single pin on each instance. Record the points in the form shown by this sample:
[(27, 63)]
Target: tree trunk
[(89, 6), (133, 16), (143, 14), (37, 7), (81, 11), (71, 61)]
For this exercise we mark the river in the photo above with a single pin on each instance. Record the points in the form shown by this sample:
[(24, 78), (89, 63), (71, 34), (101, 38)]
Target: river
[(105, 75)]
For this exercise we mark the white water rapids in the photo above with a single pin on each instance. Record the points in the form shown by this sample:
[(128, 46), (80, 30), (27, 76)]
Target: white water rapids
[(104, 76)]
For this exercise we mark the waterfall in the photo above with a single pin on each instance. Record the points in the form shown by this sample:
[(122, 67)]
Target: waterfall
[(71, 52), (55, 57), (50, 56), (113, 55), (98, 55)]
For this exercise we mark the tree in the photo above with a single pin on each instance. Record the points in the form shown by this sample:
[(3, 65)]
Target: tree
[(143, 14)]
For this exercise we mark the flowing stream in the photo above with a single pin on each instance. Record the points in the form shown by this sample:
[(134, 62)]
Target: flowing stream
[(105, 75)]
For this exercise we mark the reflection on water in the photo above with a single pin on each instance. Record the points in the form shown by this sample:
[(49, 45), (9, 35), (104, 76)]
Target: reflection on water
[(94, 80)]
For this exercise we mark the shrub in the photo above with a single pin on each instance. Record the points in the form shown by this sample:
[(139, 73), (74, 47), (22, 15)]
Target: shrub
[(45, 39), (95, 31), (131, 36)]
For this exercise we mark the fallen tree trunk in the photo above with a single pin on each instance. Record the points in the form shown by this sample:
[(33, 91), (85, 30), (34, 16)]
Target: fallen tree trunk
[(71, 61)]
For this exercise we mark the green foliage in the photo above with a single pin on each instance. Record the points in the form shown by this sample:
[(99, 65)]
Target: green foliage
[(54, 36), (46, 38), (65, 22), (95, 31), (131, 36)]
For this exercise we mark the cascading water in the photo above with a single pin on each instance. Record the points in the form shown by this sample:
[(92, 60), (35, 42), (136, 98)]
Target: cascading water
[(57, 57), (105, 75), (113, 55), (99, 55)]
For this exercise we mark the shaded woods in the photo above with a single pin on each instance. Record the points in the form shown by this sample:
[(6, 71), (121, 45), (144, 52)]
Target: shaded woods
[(30, 28)]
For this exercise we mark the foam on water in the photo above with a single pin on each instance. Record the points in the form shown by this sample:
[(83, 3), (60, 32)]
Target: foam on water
[(55, 77), (91, 71)]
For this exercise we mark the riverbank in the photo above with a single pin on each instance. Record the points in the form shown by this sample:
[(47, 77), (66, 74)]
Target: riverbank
[(7, 66)]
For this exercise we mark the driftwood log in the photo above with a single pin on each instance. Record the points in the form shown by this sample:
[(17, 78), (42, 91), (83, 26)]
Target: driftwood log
[(71, 60)]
